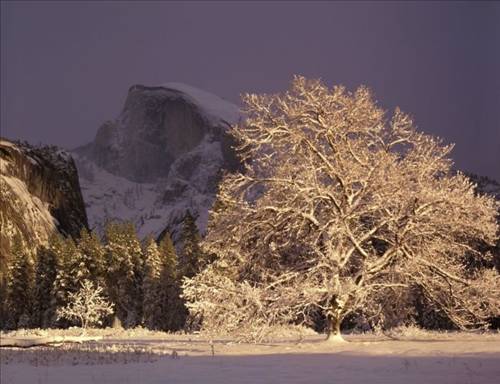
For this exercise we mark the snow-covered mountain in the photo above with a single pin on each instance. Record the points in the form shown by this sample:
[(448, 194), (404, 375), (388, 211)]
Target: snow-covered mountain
[(39, 194), (161, 157)]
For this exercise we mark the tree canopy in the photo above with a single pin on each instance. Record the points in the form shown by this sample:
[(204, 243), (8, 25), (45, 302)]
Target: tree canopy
[(337, 208)]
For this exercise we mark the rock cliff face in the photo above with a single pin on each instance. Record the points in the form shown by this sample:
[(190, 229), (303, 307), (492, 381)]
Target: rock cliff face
[(39, 194), (162, 156)]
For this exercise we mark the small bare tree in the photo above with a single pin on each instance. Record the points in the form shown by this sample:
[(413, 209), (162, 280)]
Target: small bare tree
[(87, 306), (336, 206)]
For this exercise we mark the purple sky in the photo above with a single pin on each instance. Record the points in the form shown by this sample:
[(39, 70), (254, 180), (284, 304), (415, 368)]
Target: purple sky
[(66, 66)]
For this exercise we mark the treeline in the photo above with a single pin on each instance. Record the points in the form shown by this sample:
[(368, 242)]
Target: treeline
[(141, 278)]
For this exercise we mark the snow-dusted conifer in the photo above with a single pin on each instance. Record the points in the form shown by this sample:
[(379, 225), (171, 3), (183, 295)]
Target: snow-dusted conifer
[(124, 265), (191, 257), (45, 275), (174, 312), (152, 291), (337, 204), (92, 255), (19, 306), (169, 258), (70, 272)]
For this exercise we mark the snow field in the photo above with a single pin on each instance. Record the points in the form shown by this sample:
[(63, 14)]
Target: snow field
[(147, 357)]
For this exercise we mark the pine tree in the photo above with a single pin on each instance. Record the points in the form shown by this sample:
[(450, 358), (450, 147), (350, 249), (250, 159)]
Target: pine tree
[(124, 262), (151, 285), (169, 257), (20, 287), (192, 260), (92, 255), (174, 312), (191, 256), (45, 275), (69, 270)]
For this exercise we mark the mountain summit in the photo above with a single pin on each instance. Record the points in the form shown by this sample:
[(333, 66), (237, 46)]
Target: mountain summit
[(161, 157)]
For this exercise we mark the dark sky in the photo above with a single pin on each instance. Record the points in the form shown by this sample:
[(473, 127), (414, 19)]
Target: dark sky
[(66, 66)]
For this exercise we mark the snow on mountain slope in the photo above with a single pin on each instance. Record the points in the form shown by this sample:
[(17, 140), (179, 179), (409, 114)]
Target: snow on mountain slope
[(217, 108), (160, 158), (152, 207)]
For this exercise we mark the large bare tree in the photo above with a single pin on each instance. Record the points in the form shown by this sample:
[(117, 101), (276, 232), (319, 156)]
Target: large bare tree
[(338, 204)]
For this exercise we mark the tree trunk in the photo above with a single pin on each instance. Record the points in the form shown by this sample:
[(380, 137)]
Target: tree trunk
[(333, 328)]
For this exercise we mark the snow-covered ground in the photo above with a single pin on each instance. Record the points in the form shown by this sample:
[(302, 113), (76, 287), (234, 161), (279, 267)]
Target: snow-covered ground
[(144, 357)]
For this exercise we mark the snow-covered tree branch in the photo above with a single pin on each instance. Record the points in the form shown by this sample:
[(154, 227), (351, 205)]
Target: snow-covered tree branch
[(336, 205), (87, 306)]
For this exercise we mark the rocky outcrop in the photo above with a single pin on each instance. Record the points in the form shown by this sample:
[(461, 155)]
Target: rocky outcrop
[(39, 194), (162, 156)]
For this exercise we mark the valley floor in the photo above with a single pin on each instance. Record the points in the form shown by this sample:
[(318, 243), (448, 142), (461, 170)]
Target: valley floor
[(146, 357)]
